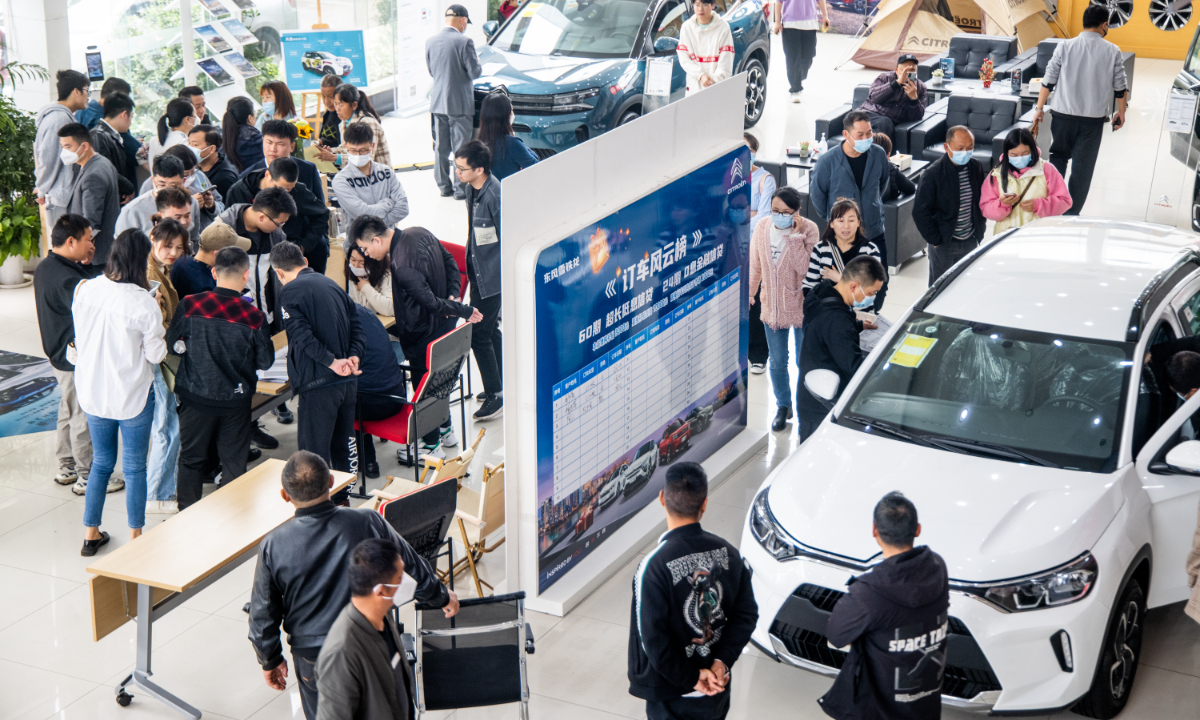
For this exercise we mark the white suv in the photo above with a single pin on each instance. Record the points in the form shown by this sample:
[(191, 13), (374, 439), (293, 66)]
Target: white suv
[(1012, 406)]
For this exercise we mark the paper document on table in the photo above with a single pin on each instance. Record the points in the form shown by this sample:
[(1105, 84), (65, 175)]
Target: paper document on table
[(277, 373), (868, 339), (1181, 112)]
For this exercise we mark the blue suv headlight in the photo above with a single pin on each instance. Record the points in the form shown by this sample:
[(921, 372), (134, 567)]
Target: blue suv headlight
[(767, 531), (1061, 586), (574, 102)]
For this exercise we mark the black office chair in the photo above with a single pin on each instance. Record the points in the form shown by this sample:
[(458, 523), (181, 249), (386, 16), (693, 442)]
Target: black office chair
[(969, 51), (831, 123), (989, 118), (423, 518)]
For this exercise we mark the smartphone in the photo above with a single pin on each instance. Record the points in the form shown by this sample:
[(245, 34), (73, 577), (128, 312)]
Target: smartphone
[(95, 64), (154, 286)]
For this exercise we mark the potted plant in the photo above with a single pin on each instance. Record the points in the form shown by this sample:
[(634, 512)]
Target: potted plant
[(936, 77), (804, 148), (20, 219), (986, 74)]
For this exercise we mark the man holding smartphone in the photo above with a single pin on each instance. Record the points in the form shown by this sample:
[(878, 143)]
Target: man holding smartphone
[(1086, 74)]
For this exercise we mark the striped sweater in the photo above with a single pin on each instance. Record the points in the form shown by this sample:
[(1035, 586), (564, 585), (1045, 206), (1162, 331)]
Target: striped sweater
[(822, 257)]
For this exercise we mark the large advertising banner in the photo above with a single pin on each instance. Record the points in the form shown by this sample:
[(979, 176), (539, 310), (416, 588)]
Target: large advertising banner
[(642, 334), (311, 55)]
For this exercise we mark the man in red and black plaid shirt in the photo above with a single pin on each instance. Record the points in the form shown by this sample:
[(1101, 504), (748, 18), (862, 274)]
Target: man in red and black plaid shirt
[(222, 343)]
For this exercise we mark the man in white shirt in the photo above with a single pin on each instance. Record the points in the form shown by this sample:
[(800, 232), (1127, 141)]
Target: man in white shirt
[(705, 47)]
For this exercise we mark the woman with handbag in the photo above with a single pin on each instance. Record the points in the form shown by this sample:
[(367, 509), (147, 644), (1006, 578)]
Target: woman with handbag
[(1023, 187), (119, 341)]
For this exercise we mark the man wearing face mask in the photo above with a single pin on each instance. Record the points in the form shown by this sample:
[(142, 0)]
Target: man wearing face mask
[(946, 210), (365, 187), (831, 331), (94, 194), (206, 140), (307, 592)]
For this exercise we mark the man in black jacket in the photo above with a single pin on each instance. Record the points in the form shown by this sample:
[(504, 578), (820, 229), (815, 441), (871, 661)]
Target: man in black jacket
[(895, 97), (304, 589), (325, 342), (108, 135), (308, 227), (947, 217), (221, 344), (831, 331), (894, 621), (693, 610), (220, 172)]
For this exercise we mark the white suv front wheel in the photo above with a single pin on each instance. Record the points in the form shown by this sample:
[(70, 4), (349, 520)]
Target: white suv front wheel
[(1119, 657)]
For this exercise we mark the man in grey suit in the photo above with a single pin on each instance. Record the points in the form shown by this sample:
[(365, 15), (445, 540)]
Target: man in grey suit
[(453, 64)]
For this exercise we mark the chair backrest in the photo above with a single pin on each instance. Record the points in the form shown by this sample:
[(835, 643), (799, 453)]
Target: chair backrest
[(775, 169), (445, 358), (481, 666), (986, 116), (460, 258), (491, 500), (423, 517), (969, 51), (859, 97), (1045, 51)]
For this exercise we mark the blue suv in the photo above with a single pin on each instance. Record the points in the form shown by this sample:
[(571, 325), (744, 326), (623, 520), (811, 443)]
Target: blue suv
[(576, 68)]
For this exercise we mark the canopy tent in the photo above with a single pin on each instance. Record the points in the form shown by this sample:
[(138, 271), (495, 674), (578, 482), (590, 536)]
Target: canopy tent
[(920, 27), (1023, 18)]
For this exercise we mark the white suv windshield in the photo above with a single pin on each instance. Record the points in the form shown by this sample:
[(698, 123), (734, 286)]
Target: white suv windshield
[(997, 392), (574, 28)]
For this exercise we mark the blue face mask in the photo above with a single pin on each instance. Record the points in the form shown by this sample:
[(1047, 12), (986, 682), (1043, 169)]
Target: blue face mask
[(739, 216), (753, 157), (866, 302), (782, 221), (1020, 162), (960, 157), (269, 108), (863, 145)]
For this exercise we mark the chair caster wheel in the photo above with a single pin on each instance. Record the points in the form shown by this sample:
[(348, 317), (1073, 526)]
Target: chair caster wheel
[(124, 698)]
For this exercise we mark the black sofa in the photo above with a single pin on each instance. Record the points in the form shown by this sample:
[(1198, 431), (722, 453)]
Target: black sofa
[(830, 124), (990, 119), (969, 51)]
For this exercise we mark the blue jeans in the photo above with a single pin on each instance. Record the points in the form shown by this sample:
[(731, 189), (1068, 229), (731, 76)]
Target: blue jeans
[(162, 469), (135, 435), (777, 341)]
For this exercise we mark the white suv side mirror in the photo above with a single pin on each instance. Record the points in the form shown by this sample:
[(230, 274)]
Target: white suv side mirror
[(823, 384), (1185, 457)]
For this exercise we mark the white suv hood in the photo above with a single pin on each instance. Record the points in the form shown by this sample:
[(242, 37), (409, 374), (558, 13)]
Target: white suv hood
[(989, 519)]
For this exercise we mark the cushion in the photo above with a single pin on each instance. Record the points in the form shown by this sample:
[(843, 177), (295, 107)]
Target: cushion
[(986, 116), (394, 428), (969, 52), (860, 95)]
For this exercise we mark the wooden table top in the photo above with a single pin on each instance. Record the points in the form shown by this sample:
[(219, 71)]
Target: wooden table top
[(181, 552), (280, 342)]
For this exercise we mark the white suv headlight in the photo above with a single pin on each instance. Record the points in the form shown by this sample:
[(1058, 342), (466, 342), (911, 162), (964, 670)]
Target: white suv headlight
[(1061, 586), (767, 531)]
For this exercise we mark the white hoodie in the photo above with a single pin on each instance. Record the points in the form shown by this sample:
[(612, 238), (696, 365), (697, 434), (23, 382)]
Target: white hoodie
[(705, 50)]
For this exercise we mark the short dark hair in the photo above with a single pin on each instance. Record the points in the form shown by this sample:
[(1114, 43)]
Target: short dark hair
[(477, 156), (895, 515), (68, 81), (279, 129), (883, 141), (284, 168), (184, 154), (686, 489), (358, 133), (233, 261), (274, 202), (76, 131), (1094, 16), (112, 86), (116, 104), (751, 141), (854, 116), (366, 228), (128, 258), (173, 197), (790, 197), (305, 475), (167, 230), (706, 2), (287, 256), (68, 225), (167, 166), (372, 562), (190, 91), (125, 187), (865, 270), (211, 136), (1183, 371)]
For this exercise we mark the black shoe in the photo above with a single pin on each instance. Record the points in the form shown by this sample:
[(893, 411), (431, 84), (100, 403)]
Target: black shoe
[(493, 407), (253, 455), (371, 470), (482, 397), (262, 439), (91, 546), (447, 193), (460, 196), (781, 419), (283, 415)]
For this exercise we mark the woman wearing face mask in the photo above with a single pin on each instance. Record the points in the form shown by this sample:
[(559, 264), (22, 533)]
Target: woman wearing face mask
[(762, 183), (1023, 187), (353, 106), (780, 252), (509, 154), (173, 127), (277, 104), (370, 282), (842, 242)]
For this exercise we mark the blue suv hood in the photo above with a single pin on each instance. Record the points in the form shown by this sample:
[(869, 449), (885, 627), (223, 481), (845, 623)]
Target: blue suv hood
[(546, 74)]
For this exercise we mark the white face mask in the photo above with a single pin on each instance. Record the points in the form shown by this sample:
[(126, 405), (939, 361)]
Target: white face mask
[(358, 160), (358, 271), (405, 591), (68, 157)]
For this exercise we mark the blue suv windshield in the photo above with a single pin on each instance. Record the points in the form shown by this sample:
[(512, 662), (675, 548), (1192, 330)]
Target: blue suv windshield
[(996, 392), (574, 28)]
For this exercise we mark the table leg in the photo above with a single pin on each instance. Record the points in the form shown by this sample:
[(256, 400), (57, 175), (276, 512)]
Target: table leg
[(141, 674)]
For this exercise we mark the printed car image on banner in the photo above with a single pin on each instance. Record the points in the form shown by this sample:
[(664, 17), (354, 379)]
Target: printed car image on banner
[(642, 334), (311, 55)]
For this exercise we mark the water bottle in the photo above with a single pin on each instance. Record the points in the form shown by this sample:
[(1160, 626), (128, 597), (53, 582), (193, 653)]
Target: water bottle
[(822, 146)]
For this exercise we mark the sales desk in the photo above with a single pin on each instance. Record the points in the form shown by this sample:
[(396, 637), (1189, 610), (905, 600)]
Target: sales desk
[(147, 578)]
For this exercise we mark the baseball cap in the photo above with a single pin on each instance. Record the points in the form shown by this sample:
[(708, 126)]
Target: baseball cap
[(219, 236), (908, 57), (458, 11)]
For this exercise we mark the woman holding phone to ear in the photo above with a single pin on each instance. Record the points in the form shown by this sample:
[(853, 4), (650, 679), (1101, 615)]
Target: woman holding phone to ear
[(1023, 187)]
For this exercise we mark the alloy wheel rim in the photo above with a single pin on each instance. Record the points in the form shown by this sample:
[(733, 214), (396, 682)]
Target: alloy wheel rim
[(1125, 634), (754, 92)]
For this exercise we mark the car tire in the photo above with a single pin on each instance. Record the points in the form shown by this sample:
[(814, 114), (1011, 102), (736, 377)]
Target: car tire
[(269, 42), (629, 116), (756, 91), (328, 71), (1119, 657)]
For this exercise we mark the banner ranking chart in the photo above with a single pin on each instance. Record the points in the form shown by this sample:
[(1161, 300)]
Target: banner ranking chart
[(628, 395)]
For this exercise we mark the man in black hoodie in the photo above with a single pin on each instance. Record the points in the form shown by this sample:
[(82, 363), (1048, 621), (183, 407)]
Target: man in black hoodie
[(325, 342), (693, 610), (831, 331), (308, 227), (894, 620)]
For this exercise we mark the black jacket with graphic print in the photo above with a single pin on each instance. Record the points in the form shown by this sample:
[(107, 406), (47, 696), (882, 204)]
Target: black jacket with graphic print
[(894, 618), (692, 604)]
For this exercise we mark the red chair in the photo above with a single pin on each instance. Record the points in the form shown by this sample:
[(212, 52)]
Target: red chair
[(430, 401), (460, 257)]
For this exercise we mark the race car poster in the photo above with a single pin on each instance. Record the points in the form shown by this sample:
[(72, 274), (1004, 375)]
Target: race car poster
[(28, 395), (311, 55), (642, 334)]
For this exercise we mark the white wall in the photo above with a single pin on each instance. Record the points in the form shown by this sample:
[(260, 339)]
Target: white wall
[(37, 32)]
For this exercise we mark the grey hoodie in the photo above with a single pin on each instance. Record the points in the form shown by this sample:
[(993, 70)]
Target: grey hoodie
[(139, 211), (53, 179), (378, 193)]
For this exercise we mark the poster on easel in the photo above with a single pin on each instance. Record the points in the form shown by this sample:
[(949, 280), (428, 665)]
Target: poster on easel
[(417, 20), (310, 55)]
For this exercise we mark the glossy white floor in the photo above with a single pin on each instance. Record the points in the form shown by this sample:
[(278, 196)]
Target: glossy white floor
[(50, 668)]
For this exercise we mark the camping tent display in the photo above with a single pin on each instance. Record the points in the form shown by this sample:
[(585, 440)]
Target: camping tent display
[(920, 27), (966, 15), (1022, 18)]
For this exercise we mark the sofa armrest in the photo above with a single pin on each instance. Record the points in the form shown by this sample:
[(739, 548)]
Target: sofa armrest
[(930, 131), (832, 119), (926, 68), (1025, 62), (903, 130)]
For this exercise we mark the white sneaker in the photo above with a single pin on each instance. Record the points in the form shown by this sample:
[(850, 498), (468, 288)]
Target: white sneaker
[(114, 485), (449, 439), (161, 507), (66, 476), (758, 368), (422, 450), (794, 97)]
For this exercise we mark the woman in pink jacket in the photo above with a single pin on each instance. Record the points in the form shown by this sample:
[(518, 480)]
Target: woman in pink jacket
[(1023, 187), (779, 250)]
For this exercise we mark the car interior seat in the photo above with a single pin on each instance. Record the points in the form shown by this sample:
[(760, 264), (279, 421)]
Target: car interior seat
[(982, 371)]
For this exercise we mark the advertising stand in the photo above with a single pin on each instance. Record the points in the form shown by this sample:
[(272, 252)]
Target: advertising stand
[(626, 335)]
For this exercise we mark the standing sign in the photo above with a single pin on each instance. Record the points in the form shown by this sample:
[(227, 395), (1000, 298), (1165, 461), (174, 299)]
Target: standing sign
[(416, 21), (311, 55), (642, 334)]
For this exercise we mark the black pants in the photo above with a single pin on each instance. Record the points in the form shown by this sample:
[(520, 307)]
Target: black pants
[(202, 435), (799, 47), (881, 243), (415, 353), (883, 124), (942, 257), (318, 257), (305, 661), (759, 352), (486, 341), (326, 425), (371, 408), (1076, 139), (809, 420), (714, 707)]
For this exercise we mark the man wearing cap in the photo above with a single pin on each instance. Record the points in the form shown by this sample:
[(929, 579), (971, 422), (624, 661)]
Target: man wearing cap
[(195, 274), (895, 98), (453, 63)]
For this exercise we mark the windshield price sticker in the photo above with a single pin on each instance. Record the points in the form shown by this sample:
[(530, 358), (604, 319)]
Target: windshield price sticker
[(912, 350)]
